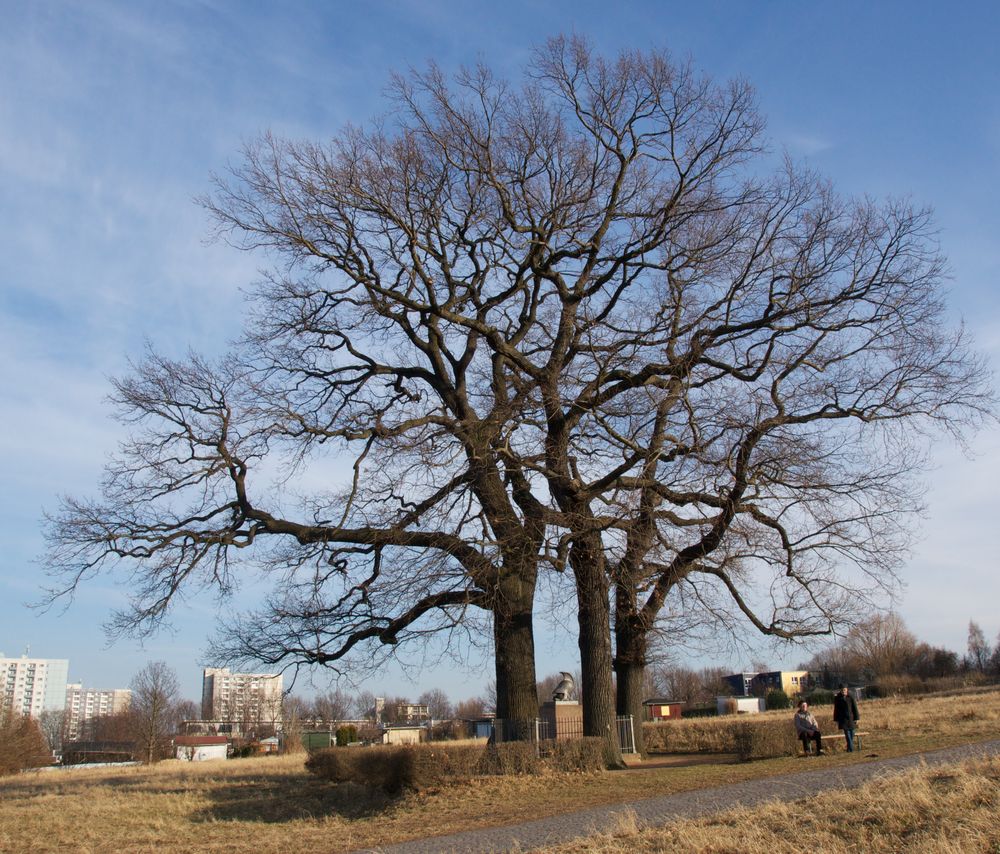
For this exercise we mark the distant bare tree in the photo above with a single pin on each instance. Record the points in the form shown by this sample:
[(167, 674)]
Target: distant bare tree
[(931, 662), (881, 645), (53, 723), (676, 683), (438, 705), (489, 697), (186, 710), (333, 705), (120, 726), (364, 705), (686, 685), (474, 707), (154, 701), (293, 711), (979, 652)]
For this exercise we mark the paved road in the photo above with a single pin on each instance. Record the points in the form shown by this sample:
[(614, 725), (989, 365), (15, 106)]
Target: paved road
[(660, 810)]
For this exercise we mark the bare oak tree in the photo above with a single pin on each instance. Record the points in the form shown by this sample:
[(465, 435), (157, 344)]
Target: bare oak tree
[(979, 652), (152, 711), (332, 706), (881, 645), (569, 326), (54, 724)]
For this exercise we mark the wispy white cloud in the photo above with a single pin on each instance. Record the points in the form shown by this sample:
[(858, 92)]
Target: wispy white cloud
[(807, 145)]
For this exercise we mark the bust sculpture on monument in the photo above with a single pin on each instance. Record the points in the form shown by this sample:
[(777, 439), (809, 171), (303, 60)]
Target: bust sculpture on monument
[(565, 687)]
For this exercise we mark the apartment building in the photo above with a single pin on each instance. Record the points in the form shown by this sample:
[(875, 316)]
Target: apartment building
[(757, 684), (86, 705), (246, 698), (411, 713), (30, 686)]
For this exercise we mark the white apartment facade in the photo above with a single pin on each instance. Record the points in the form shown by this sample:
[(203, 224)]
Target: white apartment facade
[(30, 686), (242, 698), (85, 705)]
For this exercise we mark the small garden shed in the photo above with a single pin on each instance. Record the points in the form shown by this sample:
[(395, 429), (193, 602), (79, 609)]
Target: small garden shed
[(199, 748), (662, 709)]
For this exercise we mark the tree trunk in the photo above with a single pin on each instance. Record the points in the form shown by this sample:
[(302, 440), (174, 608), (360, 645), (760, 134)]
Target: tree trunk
[(514, 644), (595, 648), (630, 670)]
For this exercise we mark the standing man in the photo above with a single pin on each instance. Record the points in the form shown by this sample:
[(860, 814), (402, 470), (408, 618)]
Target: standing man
[(845, 713)]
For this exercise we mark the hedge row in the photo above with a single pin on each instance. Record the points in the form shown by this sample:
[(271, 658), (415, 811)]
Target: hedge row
[(750, 737), (765, 739), (429, 766), (701, 735), (578, 754)]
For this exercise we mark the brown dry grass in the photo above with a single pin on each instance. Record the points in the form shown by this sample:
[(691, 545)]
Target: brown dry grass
[(273, 804), (922, 721), (947, 809)]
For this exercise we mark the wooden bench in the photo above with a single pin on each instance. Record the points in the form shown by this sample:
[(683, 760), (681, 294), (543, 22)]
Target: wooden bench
[(829, 739)]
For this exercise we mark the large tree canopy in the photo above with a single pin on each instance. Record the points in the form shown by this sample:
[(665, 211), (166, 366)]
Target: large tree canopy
[(580, 325)]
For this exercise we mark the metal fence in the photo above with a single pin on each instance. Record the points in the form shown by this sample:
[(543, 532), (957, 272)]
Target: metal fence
[(626, 733), (540, 730)]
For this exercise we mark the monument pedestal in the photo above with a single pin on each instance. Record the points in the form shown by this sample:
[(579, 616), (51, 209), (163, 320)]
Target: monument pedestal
[(562, 718)]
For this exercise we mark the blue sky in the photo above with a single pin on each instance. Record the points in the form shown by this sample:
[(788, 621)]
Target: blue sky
[(113, 116)]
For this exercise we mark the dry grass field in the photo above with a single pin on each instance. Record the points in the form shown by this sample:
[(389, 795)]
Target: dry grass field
[(916, 723), (951, 809), (274, 805)]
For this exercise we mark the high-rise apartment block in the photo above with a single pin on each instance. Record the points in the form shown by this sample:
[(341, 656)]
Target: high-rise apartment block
[(85, 705), (241, 697), (30, 686)]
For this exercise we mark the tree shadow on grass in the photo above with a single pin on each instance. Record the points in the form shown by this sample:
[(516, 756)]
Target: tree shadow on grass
[(290, 797)]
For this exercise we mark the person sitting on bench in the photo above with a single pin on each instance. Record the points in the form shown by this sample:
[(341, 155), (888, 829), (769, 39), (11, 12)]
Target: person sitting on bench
[(807, 729)]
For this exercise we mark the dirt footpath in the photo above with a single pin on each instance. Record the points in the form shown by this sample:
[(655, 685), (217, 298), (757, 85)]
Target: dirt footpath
[(660, 810)]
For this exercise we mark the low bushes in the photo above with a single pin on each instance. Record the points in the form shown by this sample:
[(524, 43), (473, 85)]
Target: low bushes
[(701, 711), (394, 769), (764, 739), (430, 766), (777, 699), (578, 754), (701, 735), (910, 686), (346, 735), (509, 757), (748, 736)]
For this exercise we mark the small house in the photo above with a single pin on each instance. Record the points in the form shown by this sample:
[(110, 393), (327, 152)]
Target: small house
[(792, 682), (661, 709), (739, 705), (403, 735), (201, 748), (481, 727)]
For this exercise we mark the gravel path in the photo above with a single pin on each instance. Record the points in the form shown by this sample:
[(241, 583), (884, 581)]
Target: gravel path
[(660, 810)]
